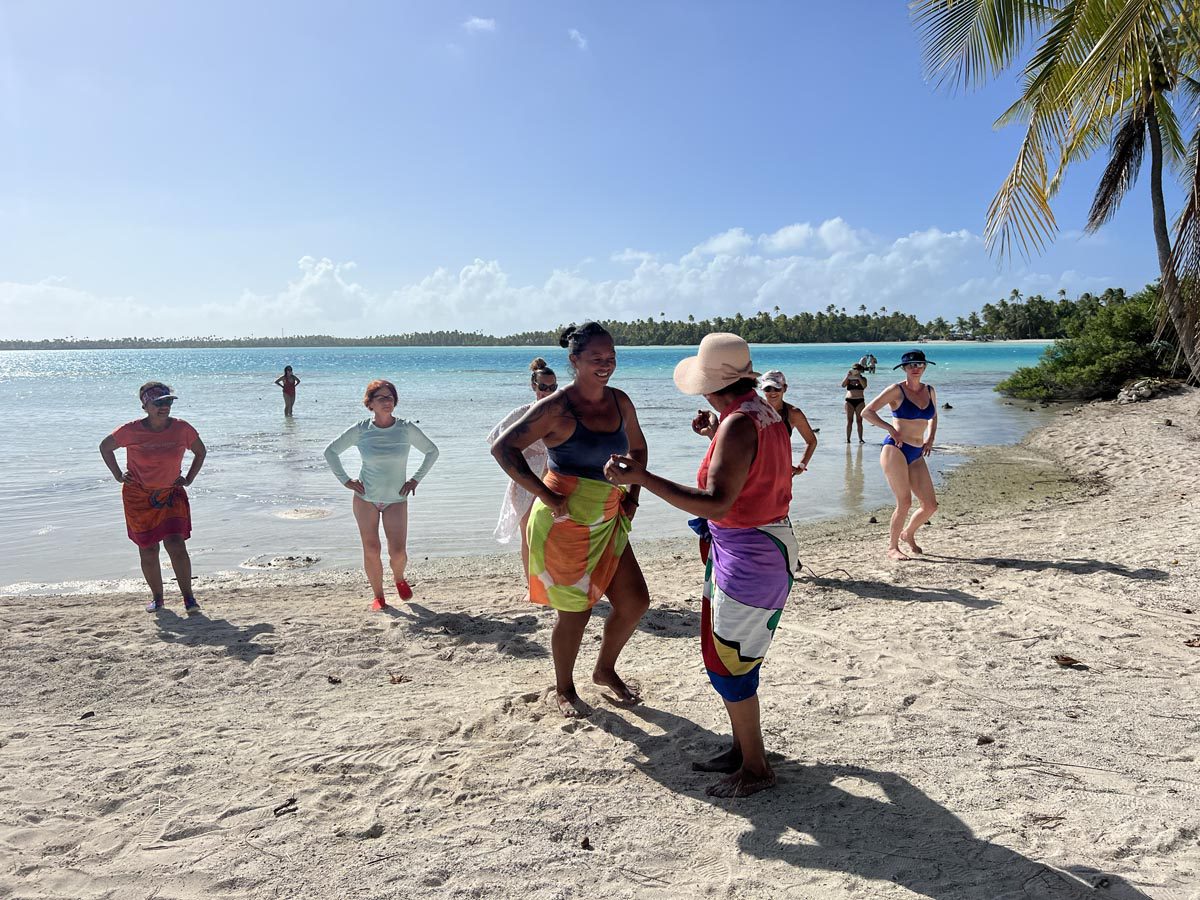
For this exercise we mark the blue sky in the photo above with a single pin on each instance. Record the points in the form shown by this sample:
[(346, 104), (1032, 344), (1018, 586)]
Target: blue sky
[(232, 168)]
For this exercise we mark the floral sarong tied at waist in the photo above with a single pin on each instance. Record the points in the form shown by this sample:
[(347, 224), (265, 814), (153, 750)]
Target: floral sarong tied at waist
[(152, 514), (746, 584), (572, 560)]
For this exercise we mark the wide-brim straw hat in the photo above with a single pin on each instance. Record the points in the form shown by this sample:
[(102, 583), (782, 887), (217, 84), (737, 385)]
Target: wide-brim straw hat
[(722, 359)]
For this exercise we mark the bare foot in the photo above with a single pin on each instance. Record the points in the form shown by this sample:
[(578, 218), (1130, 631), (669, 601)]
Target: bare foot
[(623, 694), (726, 763), (907, 538), (570, 705), (897, 554), (742, 784)]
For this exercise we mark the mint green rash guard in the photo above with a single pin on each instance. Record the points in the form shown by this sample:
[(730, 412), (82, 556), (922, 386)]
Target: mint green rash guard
[(384, 453)]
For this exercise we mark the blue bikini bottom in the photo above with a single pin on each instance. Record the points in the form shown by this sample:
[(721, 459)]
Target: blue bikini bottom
[(911, 452)]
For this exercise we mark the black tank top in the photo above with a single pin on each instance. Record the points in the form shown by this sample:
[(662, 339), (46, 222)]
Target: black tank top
[(585, 452)]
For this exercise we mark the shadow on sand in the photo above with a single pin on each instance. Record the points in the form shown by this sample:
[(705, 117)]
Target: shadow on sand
[(885, 590), (508, 636), (201, 631), (1070, 566), (872, 824)]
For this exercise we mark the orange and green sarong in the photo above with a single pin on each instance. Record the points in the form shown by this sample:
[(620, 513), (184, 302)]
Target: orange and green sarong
[(152, 514), (572, 560)]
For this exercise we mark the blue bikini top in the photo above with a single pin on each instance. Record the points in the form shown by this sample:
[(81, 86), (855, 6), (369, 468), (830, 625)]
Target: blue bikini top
[(585, 452), (909, 410)]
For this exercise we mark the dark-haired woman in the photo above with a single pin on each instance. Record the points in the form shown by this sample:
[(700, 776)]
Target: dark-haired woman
[(288, 382), (153, 490), (855, 384), (514, 512), (743, 490), (382, 488), (909, 440), (579, 525)]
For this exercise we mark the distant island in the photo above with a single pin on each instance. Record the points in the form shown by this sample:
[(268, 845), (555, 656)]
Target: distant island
[(1013, 318)]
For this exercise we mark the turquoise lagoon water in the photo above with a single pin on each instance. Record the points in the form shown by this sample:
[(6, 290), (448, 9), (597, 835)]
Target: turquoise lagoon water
[(265, 489)]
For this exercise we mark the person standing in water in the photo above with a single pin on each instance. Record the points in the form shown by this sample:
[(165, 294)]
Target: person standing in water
[(579, 525), (288, 382), (774, 386), (382, 488), (514, 511), (743, 490), (855, 384), (153, 492), (909, 440)]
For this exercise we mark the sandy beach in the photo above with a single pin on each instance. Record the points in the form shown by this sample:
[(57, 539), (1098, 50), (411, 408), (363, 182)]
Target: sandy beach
[(928, 744)]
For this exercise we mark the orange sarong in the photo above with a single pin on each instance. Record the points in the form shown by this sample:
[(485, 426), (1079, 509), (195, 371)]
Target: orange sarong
[(152, 514), (572, 560)]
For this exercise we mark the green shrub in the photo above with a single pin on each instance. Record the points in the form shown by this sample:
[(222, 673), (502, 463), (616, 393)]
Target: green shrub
[(1106, 349)]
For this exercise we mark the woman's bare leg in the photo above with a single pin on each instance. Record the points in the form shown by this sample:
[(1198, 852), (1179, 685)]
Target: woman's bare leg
[(564, 645), (630, 598), (895, 469), (151, 570), (922, 486), (176, 548), (858, 416), (367, 518), (850, 421), (755, 773), (395, 529)]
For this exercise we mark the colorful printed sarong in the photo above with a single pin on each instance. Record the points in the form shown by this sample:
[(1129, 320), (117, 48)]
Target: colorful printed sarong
[(152, 514), (572, 560), (746, 584)]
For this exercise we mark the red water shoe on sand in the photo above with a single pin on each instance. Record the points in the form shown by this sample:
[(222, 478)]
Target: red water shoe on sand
[(379, 604), (403, 589)]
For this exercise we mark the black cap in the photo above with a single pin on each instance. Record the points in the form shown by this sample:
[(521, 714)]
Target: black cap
[(914, 356)]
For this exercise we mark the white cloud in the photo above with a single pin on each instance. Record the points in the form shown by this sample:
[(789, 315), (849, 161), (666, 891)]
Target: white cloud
[(477, 24), (580, 41), (798, 267), (727, 243)]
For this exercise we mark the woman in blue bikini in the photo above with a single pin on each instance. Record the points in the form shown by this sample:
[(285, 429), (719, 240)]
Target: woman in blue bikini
[(908, 442)]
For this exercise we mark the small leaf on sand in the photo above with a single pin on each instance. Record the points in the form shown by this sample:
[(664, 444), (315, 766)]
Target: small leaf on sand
[(333, 679), (1067, 661)]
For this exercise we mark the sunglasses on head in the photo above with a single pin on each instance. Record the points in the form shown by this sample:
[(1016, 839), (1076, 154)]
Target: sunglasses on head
[(546, 387)]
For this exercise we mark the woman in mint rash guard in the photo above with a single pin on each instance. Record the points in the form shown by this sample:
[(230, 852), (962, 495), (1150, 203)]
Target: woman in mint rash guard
[(382, 488), (908, 442), (153, 490), (743, 490)]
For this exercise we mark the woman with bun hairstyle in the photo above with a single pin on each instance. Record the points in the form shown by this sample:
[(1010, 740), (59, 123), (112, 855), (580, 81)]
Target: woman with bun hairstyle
[(514, 511), (382, 488), (579, 524)]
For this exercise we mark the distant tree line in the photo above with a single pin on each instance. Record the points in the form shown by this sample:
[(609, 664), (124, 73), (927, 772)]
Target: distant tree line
[(1010, 318)]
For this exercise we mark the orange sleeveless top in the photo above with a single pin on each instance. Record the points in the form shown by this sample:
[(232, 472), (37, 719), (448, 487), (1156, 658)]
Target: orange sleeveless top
[(767, 493)]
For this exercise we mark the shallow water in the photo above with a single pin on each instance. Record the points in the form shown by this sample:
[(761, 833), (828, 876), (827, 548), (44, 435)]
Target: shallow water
[(266, 492)]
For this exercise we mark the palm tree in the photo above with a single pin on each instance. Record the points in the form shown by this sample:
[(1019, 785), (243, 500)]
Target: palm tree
[(1115, 72)]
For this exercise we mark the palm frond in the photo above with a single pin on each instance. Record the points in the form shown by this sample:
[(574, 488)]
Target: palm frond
[(1120, 175), (966, 42), (1181, 281)]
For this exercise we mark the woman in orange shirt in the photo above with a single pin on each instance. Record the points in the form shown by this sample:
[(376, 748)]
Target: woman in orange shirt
[(156, 504)]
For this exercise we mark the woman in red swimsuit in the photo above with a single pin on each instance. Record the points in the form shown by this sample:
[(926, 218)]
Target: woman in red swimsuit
[(288, 382)]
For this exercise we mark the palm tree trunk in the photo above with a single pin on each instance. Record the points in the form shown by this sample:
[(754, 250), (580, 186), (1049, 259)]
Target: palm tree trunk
[(1178, 310)]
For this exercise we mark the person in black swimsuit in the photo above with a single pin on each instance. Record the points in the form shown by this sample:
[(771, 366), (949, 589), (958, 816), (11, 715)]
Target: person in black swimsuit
[(579, 523), (855, 384)]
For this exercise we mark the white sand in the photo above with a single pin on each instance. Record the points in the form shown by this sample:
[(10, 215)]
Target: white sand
[(461, 781)]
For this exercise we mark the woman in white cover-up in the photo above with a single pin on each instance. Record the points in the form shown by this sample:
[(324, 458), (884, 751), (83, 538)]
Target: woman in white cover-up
[(514, 512)]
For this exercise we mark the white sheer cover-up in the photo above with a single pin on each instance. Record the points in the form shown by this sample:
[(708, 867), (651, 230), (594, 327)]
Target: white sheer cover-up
[(517, 500)]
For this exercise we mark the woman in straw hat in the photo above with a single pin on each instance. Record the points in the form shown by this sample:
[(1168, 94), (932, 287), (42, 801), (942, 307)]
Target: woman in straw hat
[(579, 525), (909, 440), (743, 489)]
